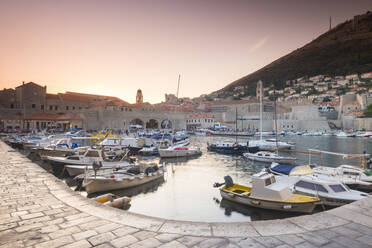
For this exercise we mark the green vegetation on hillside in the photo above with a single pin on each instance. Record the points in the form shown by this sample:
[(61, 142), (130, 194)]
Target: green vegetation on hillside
[(345, 49)]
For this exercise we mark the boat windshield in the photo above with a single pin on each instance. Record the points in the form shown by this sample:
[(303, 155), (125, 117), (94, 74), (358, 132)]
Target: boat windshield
[(337, 188), (311, 186)]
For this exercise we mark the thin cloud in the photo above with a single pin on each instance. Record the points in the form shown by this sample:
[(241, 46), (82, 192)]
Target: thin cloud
[(259, 44)]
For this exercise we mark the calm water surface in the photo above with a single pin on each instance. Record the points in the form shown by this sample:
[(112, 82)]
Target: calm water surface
[(187, 192)]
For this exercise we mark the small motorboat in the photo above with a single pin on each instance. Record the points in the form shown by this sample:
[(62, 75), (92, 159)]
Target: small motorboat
[(271, 145), (179, 151), (331, 191), (149, 151), (267, 193), (355, 178), (269, 157), (121, 179)]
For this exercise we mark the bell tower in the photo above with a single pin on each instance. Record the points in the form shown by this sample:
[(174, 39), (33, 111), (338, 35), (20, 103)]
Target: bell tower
[(139, 97)]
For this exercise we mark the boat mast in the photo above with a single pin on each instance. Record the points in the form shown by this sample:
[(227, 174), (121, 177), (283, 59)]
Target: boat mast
[(260, 82), (178, 86), (236, 125), (276, 127)]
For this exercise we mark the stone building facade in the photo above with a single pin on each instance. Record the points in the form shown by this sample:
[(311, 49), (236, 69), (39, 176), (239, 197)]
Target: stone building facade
[(29, 106)]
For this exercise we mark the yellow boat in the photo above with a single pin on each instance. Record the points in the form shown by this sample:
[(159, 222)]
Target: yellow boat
[(101, 136), (268, 194), (113, 200)]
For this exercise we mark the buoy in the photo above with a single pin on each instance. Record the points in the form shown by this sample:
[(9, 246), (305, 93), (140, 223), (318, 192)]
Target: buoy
[(104, 198), (121, 202)]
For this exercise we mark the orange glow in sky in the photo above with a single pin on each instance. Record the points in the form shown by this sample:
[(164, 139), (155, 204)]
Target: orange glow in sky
[(115, 47)]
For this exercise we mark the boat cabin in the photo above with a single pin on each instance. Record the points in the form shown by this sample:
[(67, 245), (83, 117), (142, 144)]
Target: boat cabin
[(264, 186)]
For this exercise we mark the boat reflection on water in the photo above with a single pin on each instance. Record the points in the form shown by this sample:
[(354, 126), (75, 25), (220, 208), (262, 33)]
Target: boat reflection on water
[(130, 192), (254, 213)]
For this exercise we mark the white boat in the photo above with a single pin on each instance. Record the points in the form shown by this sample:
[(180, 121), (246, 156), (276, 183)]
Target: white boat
[(270, 145), (268, 157), (331, 191), (149, 151), (344, 134), (364, 134), (90, 156), (74, 170), (121, 179), (350, 175), (179, 151)]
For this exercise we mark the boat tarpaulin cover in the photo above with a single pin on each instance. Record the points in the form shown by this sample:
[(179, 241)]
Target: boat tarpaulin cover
[(283, 168), (292, 169)]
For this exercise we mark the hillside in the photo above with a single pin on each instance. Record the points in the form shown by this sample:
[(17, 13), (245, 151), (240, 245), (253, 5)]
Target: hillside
[(343, 50)]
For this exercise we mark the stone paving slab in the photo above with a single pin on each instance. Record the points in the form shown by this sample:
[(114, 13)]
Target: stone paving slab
[(39, 210)]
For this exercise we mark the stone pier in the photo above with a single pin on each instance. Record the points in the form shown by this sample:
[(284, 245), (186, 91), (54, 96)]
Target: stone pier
[(39, 210)]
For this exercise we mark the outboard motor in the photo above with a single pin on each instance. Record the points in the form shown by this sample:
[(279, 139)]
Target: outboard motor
[(228, 181)]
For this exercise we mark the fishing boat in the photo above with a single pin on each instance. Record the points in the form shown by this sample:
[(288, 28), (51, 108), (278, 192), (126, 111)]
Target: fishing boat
[(74, 170), (121, 179), (268, 157), (267, 193), (179, 151)]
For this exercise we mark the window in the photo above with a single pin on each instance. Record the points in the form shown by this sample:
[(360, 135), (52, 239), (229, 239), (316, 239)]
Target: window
[(79, 107), (337, 188), (66, 107), (73, 107), (311, 186), (50, 107), (12, 105), (42, 107), (56, 107), (33, 105)]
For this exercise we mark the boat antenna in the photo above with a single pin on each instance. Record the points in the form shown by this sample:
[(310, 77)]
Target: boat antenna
[(260, 85), (178, 86)]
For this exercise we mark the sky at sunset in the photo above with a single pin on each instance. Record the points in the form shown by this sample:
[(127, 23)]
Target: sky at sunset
[(113, 47)]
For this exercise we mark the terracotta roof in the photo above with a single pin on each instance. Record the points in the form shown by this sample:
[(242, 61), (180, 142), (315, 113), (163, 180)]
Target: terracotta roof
[(52, 96), (45, 116)]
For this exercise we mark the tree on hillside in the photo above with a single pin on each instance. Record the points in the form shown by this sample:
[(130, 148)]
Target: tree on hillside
[(368, 111)]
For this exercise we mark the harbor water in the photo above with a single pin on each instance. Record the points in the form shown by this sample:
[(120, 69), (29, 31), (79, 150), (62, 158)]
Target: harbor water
[(187, 192)]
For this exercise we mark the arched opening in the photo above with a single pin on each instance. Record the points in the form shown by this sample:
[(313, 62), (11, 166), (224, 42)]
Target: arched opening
[(166, 124), (152, 123), (138, 123)]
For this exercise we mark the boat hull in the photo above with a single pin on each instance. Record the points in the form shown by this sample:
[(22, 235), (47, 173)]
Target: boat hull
[(93, 185), (233, 150), (270, 160), (178, 153), (307, 207)]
